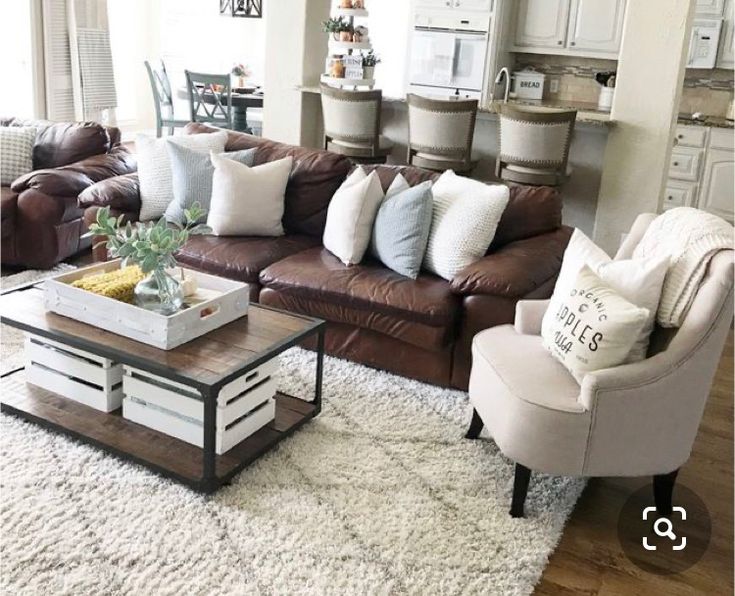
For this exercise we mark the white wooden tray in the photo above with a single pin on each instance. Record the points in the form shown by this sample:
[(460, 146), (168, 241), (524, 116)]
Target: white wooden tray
[(218, 301)]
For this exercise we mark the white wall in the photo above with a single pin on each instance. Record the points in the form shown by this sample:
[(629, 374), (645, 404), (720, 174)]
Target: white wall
[(16, 65)]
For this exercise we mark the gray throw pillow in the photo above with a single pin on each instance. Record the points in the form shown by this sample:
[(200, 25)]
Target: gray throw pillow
[(192, 178), (401, 229)]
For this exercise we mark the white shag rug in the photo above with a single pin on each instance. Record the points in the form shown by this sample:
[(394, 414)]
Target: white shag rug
[(380, 494)]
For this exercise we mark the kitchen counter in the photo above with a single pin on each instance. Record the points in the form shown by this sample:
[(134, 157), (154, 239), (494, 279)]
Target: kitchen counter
[(587, 113), (711, 121)]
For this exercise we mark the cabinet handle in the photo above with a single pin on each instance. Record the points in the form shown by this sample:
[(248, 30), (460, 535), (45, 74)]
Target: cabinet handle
[(676, 163), (670, 198), (679, 136), (574, 43), (560, 42)]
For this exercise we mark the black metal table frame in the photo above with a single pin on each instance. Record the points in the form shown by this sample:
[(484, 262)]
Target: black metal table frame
[(209, 392)]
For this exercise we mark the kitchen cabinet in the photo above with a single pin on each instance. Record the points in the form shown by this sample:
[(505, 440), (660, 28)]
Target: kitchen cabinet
[(718, 181), (711, 187), (592, 28), (484, 5), (541, 23), (708, 7), (595, 25), (726, 54)]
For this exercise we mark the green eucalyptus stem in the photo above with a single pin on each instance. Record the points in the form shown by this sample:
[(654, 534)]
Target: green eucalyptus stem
[(149, 245)]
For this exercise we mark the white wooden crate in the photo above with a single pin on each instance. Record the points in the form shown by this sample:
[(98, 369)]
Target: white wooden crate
[(75, 374), (218, 301), (243, 406)]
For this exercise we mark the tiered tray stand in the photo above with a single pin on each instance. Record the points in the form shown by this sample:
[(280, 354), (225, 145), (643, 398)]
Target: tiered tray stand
[(348, 48)]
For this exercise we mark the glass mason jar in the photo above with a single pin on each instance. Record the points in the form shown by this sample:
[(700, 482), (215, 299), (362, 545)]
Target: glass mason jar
[(159, 292)]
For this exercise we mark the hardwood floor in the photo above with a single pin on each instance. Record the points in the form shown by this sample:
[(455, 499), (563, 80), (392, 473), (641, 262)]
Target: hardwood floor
[(589, 559)]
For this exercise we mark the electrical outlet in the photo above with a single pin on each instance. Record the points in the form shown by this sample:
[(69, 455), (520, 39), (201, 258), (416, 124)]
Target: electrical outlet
[(554, 86)]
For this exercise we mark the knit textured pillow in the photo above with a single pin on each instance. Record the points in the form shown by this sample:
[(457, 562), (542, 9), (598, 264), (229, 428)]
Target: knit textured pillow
[(154, 168), (16, 149), (192, 171), (465, 216)]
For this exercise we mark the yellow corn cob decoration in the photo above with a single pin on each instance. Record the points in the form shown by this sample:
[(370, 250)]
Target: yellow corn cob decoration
[(118, 284)]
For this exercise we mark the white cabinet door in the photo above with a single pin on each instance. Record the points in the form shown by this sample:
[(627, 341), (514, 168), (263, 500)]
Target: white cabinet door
[(541, 23), (484, 5), (726, 54), (718, 194), (596, 26), (708, 7)]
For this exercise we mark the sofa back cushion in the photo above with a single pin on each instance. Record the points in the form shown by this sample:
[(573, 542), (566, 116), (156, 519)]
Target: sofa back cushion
[(531, 210), (315, 177), (66, 142)]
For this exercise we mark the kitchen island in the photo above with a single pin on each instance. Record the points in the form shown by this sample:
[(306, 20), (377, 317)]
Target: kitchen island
[(585, 155)]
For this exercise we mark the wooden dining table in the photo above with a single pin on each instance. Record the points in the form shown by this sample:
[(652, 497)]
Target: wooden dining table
[(240, 104)]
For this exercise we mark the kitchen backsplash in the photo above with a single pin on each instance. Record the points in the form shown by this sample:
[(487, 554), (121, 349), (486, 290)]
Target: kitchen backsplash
[(576, 75), (706, 91)]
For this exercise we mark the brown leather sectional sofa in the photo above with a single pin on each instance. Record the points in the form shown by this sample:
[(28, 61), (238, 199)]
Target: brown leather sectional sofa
[(41, 220), (420, 329)]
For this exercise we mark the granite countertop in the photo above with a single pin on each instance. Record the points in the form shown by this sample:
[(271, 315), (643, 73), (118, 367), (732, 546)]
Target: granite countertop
[(711, 121)]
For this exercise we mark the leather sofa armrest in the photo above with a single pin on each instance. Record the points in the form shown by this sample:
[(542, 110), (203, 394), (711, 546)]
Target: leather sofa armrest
[(72, 179), (516, 269), (120, 192), (529, 314)]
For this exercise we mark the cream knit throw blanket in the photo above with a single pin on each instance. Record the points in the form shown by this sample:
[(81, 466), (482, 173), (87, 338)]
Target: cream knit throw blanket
[(690, 238)]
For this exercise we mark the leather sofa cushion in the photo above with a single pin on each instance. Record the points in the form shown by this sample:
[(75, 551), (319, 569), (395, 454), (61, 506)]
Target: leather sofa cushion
[(531, 210), (368, 295), (67, 142), (315, 177), (240, 257)]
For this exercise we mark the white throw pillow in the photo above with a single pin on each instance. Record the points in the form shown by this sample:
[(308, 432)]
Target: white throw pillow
[(591, 326), (16, 149), (465, 216), (637, 280), (154, 168), (351, 215), (248, 201)]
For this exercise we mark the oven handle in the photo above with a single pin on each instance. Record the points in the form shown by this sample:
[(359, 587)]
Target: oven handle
[(447, 30)]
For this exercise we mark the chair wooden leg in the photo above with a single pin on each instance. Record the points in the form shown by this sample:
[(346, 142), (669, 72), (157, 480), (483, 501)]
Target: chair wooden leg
[(520, 489), (663, 488), (476, 425)]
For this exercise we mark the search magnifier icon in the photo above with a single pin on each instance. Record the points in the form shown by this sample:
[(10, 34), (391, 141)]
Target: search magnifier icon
[(664, 528)]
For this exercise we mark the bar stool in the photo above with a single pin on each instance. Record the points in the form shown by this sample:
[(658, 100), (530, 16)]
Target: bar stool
[(352, 124), (534, 145), (440, 133)]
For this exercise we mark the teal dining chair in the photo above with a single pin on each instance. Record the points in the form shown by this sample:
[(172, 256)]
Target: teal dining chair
[(210, 98), (163, 99)]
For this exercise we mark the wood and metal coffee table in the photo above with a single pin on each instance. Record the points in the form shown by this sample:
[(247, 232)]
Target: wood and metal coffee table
[(200, 368)]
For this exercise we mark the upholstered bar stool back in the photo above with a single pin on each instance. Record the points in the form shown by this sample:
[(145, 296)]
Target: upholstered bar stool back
[(352, 124), (534, 144), (440, 133)]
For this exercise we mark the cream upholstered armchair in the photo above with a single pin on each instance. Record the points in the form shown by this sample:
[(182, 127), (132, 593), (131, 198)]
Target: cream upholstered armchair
[(636, 419), (440, 133), (352, 124), (534, 144)]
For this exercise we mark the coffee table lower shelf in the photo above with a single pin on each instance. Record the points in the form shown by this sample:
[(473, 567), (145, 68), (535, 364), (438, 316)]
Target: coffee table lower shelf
[(159, 452)]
